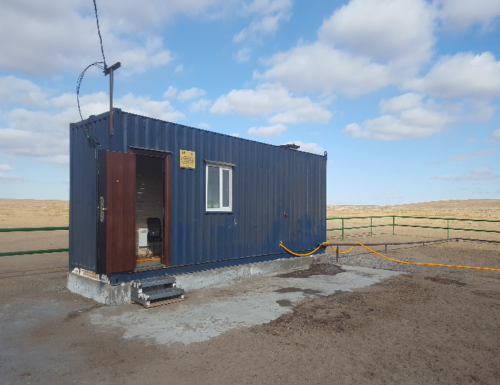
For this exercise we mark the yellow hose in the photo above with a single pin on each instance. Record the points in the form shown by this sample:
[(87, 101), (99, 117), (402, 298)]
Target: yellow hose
[(301, 255), (427, 264), (390, 259), (341, 252)]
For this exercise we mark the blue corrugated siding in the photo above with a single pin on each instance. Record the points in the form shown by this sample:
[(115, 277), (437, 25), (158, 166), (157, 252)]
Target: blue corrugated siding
[(267, 182)]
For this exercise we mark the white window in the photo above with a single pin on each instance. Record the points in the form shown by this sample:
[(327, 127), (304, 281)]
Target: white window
[(219, 188)]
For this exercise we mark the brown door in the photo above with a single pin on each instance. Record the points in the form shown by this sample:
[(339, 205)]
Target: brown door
[(116, 212)]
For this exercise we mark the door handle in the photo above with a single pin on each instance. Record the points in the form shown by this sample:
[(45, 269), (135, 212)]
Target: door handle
[(102, 209)]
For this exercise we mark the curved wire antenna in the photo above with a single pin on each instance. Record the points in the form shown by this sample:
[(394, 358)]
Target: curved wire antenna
[(99, 32), (97, 64)]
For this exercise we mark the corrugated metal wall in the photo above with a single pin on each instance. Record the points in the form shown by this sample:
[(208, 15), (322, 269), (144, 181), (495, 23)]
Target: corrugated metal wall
[(267, 182)]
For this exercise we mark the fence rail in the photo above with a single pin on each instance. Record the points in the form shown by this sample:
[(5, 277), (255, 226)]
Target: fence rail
[(394, 224), (32, 251)]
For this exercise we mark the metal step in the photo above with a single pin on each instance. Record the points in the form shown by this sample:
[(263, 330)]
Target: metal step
[(154, 281), (163, 293)]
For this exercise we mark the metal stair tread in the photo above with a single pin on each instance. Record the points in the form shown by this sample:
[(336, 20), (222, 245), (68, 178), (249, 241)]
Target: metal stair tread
[(156, 294), (154, 281)]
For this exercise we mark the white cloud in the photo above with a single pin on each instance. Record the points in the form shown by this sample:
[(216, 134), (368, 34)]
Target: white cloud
[(269, 131), (235, 135), (400, 103), (62, 35), (200, 106), (309, 147), (44, 135), (477, 154), (416, 120), (58, 159), (31, 144), (461, 14), (11, 178), (386, 30), (318, 68), (461, 75), (190, 94), (17, 90), (179, 68), (242, 55), (204, 125), (5, 167), (268, 14), (365, 45), (494, 138), (140, 105), (482, 173), (269, 99), (170, 93)]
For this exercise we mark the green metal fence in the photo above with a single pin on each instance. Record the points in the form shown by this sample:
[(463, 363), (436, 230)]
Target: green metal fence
[(32, 251), (394, 224)]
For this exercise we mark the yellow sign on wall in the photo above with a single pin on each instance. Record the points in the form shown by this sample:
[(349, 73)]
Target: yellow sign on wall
[(188, 159)]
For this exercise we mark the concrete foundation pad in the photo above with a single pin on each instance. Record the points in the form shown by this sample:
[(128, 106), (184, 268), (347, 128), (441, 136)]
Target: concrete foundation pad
[(98, 291), (210, 312), (118, 295), (209, 278)]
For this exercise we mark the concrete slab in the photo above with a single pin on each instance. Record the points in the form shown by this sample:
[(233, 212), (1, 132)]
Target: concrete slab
[(99, 291), (211, 312), (107, 294)]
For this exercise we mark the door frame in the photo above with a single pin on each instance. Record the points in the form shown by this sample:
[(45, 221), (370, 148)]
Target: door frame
[(167, 196)]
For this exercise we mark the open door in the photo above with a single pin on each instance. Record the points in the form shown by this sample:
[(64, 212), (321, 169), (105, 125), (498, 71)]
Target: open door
[(116, 238)]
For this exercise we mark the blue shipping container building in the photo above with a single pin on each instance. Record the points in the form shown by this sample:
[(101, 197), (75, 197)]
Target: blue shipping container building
[(157, 195)]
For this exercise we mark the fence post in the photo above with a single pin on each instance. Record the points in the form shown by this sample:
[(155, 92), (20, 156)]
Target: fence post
[(342, 228), (371, 226), (448, 227), (393, 223)]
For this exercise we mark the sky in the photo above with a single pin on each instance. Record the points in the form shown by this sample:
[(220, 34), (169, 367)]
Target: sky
[(404, 95)]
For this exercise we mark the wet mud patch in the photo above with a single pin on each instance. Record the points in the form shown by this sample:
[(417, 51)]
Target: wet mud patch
[(445, 281), (77, 313), (285, 303), (298, 289), (314, 269)]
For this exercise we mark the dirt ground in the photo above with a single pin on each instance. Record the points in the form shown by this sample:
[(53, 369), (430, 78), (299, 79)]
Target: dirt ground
[(428, 325)]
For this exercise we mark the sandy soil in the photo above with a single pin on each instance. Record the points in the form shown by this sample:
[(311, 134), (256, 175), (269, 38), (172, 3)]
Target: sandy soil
[(33, 213), (427, 326), (488, 209)]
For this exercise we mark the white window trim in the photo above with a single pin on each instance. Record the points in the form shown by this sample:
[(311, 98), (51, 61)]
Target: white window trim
[(220, 209)]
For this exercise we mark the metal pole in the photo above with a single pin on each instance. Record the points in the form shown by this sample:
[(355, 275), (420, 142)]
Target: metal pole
[(342, 228), (386, 249), (448, 226), (109, 71), (371, 226), (393, 223), (338, 253), (111, 130)]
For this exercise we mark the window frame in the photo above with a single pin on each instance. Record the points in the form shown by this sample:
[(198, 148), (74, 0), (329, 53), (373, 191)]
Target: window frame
[(221, 167)]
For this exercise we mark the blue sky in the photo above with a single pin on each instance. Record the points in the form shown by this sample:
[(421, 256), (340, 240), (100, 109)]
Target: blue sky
[(404, 95)]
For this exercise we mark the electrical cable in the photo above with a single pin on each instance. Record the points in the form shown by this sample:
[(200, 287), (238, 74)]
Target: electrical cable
[(99, 32), (99, 64)]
